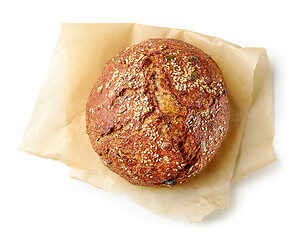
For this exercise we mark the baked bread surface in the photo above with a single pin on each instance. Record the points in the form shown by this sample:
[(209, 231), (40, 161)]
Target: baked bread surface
[(158, 113)]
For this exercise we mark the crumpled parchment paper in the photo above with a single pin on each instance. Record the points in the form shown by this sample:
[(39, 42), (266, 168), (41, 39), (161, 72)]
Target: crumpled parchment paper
[(57, 131)]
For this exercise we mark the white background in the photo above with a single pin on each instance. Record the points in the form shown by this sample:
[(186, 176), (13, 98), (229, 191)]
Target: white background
[(39, 201)]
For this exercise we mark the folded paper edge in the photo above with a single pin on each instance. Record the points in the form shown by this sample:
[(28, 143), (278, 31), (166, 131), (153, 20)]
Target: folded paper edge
[(262, 54)]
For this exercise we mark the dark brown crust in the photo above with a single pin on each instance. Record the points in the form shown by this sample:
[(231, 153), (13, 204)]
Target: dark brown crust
[(158, 113)]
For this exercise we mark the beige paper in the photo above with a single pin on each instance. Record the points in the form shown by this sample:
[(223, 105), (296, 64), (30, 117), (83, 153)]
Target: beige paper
[(57, 126)]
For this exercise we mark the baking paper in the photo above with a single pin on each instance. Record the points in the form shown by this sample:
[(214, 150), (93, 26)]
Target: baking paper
[(57, 131)]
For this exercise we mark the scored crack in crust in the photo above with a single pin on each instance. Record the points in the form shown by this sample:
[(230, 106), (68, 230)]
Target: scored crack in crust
[(158, 113)]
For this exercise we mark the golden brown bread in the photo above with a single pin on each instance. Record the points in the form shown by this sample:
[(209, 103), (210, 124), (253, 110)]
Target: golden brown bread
[(158, 113)]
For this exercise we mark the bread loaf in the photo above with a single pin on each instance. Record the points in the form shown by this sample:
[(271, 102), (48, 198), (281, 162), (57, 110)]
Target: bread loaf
[(158, 113)]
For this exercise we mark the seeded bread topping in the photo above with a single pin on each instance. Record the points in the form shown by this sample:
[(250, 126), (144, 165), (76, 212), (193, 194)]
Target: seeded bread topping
[(158, 113)]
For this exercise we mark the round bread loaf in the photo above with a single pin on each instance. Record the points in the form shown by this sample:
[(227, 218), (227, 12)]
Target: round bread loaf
[(158, 113)]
